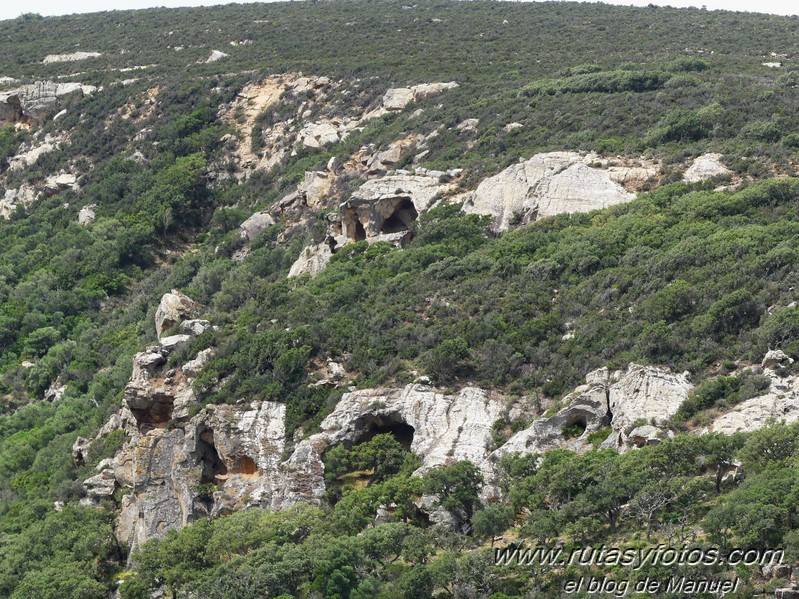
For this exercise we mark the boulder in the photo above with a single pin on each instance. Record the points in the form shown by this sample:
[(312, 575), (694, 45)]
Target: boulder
[(318, 135), (173, 342), (101, 486), (30, 153), (14, 198), (172, 309), (586, 411), (775, 357), (80, 450), (216, 55), (608, 400), (643, 393), (58, 183), (195, 326), (706, 167), (195, 366), (645, 435), (780, 404), (312, 260), (389, 204), (259, 221), (468, 125), (315, 188), (86, 215)]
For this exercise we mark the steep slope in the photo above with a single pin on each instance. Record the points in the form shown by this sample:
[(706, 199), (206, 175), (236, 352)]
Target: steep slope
[(306, 258)]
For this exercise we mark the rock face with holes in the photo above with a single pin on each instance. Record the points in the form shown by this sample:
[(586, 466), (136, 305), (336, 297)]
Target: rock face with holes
[(388, 205), (633, 404), (30, 103), (175, 468), (382, 209), (553, 183), (437, 427)]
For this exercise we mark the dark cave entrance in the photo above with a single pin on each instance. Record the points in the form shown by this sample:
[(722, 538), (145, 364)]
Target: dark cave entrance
[(400, 430), (360, 232), (213, 468), (575, 426), (401, 219)]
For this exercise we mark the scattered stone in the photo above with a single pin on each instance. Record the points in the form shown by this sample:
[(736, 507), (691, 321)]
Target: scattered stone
[(774, 357)]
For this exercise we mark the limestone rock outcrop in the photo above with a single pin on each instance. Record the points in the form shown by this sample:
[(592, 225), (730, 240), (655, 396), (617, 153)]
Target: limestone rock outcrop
[(216, 55), (643, 393), (177, 467), (780, 402), (634, 404), (389, 204), (437, 427), (174, 306), (548, 184), (399, 97), (75, 56), (706, 167), (13, 198), (29, 153), (30, 103), (382, 209), (63, 182)]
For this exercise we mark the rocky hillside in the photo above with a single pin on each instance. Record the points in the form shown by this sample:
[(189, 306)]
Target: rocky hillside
[(328, 300)]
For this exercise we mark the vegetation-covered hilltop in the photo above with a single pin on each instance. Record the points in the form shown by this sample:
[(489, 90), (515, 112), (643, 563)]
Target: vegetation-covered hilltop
[(166, 155)]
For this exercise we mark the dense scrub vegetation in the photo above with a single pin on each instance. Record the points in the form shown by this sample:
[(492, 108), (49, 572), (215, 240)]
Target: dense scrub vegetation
[(671, 493), (683, 277)]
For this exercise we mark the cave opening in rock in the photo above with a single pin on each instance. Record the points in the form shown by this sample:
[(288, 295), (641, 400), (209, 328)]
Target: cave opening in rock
[(401, 219), (360, 232), (213, 468), (401, 431), (575, 426)]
